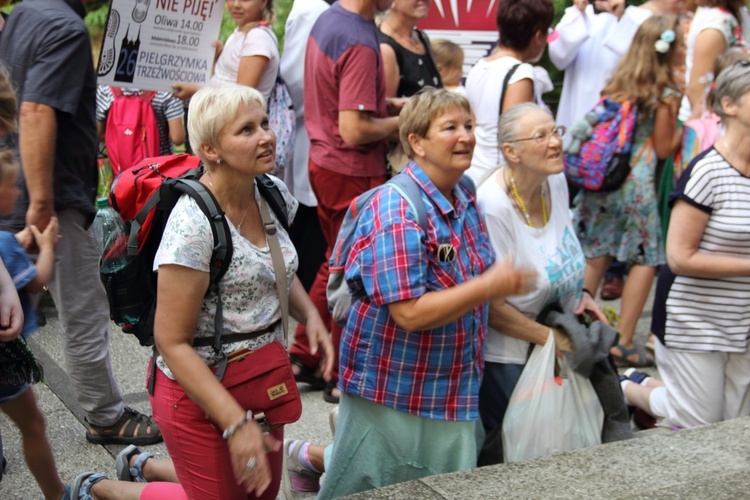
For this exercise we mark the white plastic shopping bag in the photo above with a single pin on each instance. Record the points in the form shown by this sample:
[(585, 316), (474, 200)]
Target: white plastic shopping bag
[(548, 414)]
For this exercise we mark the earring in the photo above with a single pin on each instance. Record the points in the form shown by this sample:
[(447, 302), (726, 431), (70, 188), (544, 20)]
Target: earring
[(218, 162)]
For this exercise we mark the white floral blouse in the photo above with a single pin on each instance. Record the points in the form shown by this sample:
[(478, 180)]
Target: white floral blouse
[(248, 289)]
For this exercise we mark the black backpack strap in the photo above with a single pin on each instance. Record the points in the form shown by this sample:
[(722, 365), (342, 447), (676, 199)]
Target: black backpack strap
[(222, 249), (272, 194), (221, 255), (237, 337), (506, 81)]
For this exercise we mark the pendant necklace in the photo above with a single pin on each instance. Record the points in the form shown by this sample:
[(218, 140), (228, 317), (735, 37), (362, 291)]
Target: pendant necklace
[(238, 227), (522, 205)]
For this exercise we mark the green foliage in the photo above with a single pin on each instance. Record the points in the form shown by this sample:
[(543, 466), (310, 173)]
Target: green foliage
[(282, 12), (227, 26), (96, 18)]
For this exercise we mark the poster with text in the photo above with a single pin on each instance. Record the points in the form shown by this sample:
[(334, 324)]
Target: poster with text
[(151, 44)]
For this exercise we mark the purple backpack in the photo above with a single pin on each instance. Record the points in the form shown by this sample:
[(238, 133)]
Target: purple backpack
[(598, 157)]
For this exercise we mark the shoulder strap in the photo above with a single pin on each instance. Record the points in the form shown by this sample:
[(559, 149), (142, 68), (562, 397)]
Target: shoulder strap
[(148, 95), (272, 194), (468, 184), (222, 250), (222, 247), (279, 266), (412, 193), (270, 33), (506, 80)]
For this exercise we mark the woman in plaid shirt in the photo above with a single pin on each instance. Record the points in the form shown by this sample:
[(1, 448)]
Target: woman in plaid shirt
[(411, 350)]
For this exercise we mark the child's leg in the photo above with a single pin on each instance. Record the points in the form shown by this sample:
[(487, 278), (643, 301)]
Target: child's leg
[(25, 413)]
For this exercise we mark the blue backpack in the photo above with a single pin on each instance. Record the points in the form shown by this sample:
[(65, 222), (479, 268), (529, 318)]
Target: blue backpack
[(340, 297)]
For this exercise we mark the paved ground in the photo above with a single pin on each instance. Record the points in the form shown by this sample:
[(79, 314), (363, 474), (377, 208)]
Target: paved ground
[(65, 420)]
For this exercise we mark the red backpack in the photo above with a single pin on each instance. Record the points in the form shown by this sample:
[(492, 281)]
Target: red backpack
[(144, 196), (132, 132)]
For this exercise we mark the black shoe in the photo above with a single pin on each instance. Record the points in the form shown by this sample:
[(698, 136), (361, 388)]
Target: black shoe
[(328, 396), (307, 375), (41, 318)]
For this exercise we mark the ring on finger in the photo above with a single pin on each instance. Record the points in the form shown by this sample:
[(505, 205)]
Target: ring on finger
[(251, 464)]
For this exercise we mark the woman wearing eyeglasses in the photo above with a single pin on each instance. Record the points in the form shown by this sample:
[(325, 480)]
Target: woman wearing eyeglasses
[(525, 207)]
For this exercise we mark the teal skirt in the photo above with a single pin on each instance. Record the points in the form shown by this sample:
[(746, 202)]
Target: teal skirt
[(377, 446)]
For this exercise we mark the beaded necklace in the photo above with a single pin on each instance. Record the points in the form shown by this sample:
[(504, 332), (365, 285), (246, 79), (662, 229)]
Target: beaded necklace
[(522, 205)]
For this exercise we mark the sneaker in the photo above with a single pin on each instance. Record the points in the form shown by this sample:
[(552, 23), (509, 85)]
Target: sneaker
[(133, 427), (296, 477), (634, 376), (612, 288)]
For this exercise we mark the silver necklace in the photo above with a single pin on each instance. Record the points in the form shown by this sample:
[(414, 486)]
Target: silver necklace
[(238, 227)]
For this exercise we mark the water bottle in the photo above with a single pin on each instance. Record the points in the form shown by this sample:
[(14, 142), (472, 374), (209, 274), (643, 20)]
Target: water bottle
[(110, 237)]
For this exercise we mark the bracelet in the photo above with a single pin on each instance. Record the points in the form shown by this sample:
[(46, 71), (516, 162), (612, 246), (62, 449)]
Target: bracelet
[(229, 431), (586, 290)]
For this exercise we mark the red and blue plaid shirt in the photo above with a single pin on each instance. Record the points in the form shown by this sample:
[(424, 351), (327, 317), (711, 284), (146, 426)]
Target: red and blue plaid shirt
[(432, 373)]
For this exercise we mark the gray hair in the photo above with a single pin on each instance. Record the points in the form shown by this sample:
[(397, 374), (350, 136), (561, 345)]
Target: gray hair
[(211, 108), (508, 126), (733, 82)]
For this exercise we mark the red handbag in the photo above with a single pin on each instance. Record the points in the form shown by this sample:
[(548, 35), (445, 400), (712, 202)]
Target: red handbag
[(263, 381)]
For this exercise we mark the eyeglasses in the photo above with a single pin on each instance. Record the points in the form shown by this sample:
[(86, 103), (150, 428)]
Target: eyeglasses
[(544, 137)]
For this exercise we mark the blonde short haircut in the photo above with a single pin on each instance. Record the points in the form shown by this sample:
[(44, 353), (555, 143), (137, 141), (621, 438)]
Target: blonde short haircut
[(422, 109), (9, 166), (211, 108), (8, 104), (449, 58)]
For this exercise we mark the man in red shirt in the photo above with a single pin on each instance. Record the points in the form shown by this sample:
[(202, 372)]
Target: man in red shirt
[(347, 118)]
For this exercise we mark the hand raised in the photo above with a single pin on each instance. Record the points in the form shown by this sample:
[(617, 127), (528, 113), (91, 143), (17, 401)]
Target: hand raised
[(504, 279)]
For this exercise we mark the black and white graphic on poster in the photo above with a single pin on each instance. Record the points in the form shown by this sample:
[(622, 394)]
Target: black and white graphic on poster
[(153, 44)]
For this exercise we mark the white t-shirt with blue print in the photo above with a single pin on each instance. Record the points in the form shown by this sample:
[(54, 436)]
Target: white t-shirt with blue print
[(553, 251)]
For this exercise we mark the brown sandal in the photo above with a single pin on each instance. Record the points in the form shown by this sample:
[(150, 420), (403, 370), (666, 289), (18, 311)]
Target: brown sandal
[(644, 360), (132, 427)]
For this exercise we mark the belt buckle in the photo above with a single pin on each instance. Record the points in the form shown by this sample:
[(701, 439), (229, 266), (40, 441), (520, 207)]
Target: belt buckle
[(262, 421)]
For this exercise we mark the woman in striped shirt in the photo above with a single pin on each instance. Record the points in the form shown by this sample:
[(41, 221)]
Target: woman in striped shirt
[(702, 307)]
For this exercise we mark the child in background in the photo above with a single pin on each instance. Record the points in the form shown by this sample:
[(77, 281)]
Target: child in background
[(18, 368), (449, 59), (624, 224), (168, 111)]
